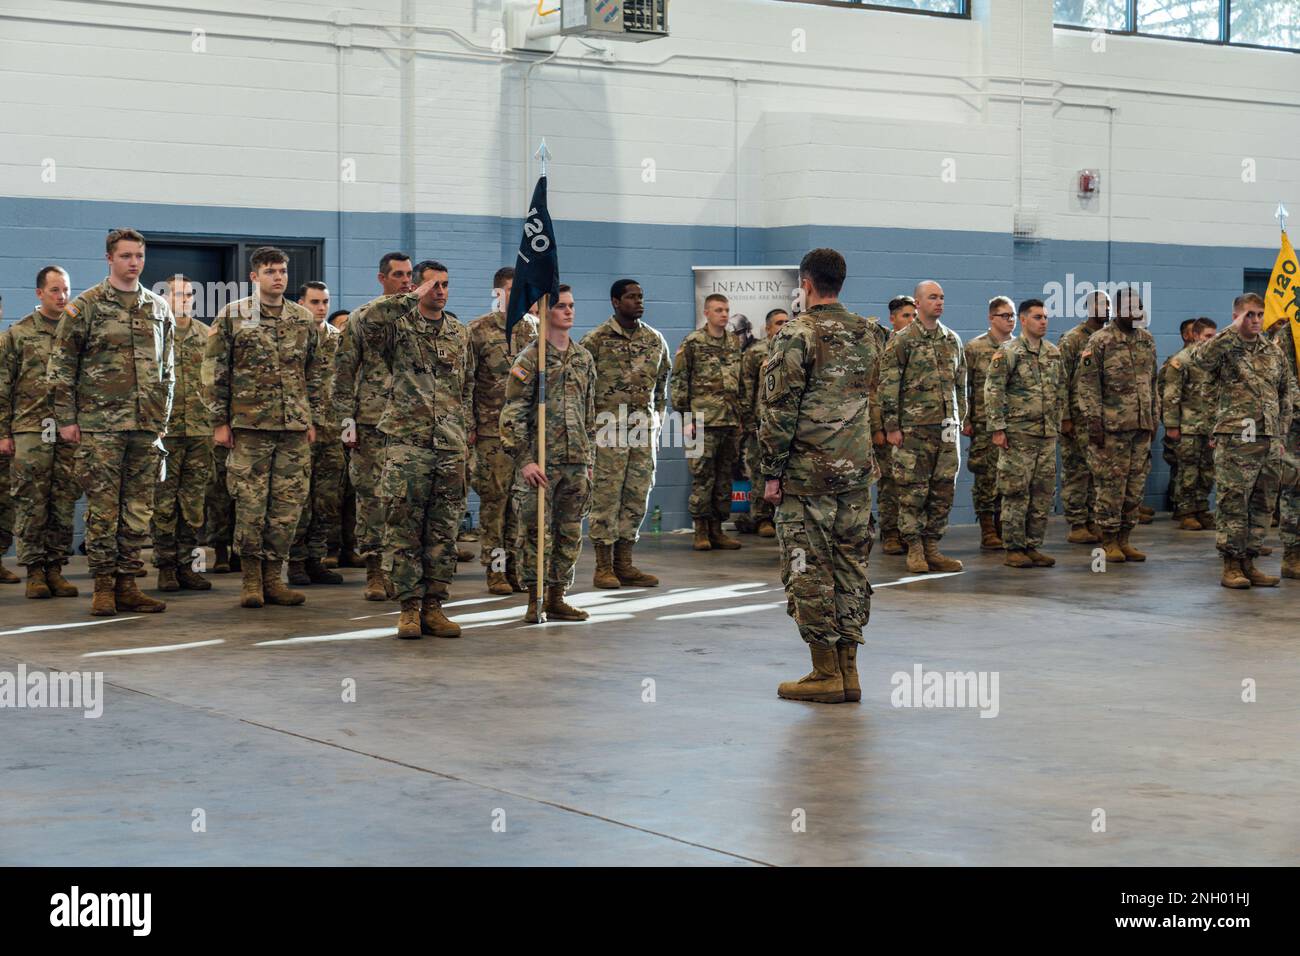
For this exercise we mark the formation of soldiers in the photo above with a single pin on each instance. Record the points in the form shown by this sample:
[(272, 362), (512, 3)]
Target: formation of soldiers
[(283, 433)]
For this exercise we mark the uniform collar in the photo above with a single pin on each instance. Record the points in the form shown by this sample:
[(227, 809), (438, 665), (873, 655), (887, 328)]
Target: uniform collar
[(40, 322), (109, 289), (626, 333)]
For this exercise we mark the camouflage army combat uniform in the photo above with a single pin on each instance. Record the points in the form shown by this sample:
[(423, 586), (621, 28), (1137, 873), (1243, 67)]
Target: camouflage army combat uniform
[(44, 474), (1283, 335), (179, 497), (761, 512), (263, 377), (494, 469), (982, 459), (1116, 390), (1078, 492), (886, 487), (631, 394), (425, 424), (322, 506), (111, 373), (815, 435), (1168, 446), (923, 394), (570, 458), (706, 383), (1189, 405), (1024, 395), (1254, 412)]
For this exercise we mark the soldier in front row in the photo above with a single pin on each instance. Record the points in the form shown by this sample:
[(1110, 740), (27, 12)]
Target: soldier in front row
[(1187, 411), (1024, 395), (570, 458)]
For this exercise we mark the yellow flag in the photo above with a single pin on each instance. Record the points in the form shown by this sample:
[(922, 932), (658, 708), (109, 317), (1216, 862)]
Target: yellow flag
[(1282, 299)]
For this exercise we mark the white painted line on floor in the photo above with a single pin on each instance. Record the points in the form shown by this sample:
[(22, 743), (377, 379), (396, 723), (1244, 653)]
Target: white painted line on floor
[(153, 650), (464, 603), (917, 577), (722, 611), (364, 635), (32, 629), (594, 619)]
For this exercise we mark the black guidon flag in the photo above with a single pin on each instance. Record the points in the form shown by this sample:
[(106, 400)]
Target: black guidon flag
[(537, 269)]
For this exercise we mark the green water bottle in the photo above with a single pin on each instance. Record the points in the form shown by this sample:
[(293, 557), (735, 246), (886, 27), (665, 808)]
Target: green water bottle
[(656, 521)]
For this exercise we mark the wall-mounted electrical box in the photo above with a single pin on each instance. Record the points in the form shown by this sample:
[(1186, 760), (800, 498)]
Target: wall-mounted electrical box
[(634, 20)]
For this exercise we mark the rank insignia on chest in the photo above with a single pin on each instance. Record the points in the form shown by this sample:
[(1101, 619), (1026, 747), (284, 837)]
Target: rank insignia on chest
[(771, 382)]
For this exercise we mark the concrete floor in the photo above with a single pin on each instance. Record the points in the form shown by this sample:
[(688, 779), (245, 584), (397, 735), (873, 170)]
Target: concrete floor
[(1120, 691)]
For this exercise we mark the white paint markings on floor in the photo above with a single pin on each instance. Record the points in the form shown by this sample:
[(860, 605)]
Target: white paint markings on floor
[(34, 628), (153, 650), (366, 634), (722, 611), (917, 577), (466, 603)]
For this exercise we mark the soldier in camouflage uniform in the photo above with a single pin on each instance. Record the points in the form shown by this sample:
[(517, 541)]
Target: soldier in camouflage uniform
[(902, 313), (6, 507), (1078, 491), (425, 424), (361, 394), (983, 456), (265, 387), (752, 361), (44, 474), (631, 393), (494, 469), (1255, 405), (815, 434), (187, 468), (219, 510), (1024, 394), (1283, 335), (923, 403), (570, 457), (111, 376), (1116, 388), (1169, 446), (321, 508), (1187, 411), (706, 383)]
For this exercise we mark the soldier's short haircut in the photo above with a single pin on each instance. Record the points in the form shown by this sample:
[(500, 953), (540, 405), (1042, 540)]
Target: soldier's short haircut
[(899, 302), (1182, 326), (773, 314), (428, 265), (386, 263), (1127, 295), (335, 314), (313, 284), (1239, 303), (715, 297), (503, 275), (562, 289), (825, 269), (267, 256), (121, 235), (1203, 323), (1030, 304), (40, 276), (1000, 300), (179, 277), (621, 286)]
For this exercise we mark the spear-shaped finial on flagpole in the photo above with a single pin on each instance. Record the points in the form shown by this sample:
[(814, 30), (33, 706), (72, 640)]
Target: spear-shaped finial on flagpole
[(543, 154), (1280, 215)]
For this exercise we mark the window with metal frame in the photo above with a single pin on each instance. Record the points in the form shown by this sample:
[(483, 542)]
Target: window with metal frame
[(938, 8), (1273, 24)]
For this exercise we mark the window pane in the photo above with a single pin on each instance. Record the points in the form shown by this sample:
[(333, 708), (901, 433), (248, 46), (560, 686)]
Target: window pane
[(1196, 19), (1266, 22), (1106, 14), (930, 6)]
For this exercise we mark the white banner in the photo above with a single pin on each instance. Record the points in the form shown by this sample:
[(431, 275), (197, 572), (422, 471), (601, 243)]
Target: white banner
[(753, 291)]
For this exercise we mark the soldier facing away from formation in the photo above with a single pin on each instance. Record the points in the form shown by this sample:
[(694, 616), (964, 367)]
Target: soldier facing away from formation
[(111, 376), (632, 367), (570, 457), (815, 435), (1187, 411), (1024, 394), (983, 458), (761, 511)]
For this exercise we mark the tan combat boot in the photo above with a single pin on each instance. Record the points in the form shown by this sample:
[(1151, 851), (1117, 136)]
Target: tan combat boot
[(298, 574), (1096, 531), (1110, 542), (702, 535), (103, 603), (766, 529), (989, 540), (823, 685), (190, 580), (7, 576), (1017, 559), (533, 615), (1146, 515), (250, 592), (128, 597), (605, 576), (1130, 553), (274, 590), (559, 609), (916, 562), (221, 564), (497, 583), (433, 621), (408, 623), (59, 585), (846, 653), (462, 555), (37, 587), (1233, 577), (1189, 523), (167, 579), (376, 587), (936, 560), (719, 538), (1206, 520), (892, 543), (1257, 578), (1291, 562), (1039, 559), (317, 573), (628, 573), (1080, 534)]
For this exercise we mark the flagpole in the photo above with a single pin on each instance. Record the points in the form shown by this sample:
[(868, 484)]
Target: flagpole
[(543, 154)]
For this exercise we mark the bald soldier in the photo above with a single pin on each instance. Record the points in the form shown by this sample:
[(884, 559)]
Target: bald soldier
[(815, 434), (1078, 491), (983, 458), (923, 402), (751, 386), (902, 312)]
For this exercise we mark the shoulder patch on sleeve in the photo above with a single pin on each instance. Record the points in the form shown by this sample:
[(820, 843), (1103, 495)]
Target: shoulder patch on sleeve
[(1175, 363), (72, 310), (519, 372)]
